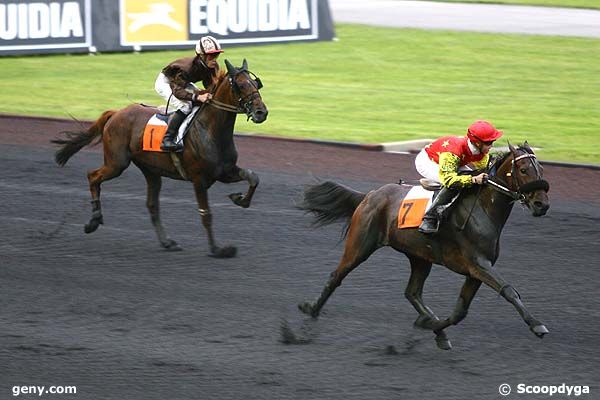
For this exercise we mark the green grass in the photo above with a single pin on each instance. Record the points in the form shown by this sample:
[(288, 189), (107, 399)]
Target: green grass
[(550, 3), (373, 85)]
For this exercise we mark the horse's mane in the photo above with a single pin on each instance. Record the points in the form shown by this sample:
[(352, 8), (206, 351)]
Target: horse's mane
[(218, 79), (498, 160)]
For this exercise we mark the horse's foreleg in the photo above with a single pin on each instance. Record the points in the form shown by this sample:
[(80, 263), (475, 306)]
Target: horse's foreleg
[(205, 214), (154, 184), (488, 275), (239, 174), (361, 243), (467, 293), (420, 270)]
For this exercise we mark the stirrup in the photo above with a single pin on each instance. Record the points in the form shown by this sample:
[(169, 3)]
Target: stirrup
[(429, 184), (427, 227), (169, 145)]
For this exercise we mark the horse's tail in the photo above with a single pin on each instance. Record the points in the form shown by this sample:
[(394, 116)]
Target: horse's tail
[(330, 202), (75, 141)]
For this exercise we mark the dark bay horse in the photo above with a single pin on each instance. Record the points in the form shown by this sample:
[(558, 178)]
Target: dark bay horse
[(209, 153), (467, 242)]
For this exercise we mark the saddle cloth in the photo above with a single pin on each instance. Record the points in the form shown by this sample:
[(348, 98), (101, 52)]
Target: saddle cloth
[(156, 127), (155, 130), (413, 207)]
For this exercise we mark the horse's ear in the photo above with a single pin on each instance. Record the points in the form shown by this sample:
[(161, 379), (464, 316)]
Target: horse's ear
[(527, 147), (230, 68), (245, 65), (512, 149)]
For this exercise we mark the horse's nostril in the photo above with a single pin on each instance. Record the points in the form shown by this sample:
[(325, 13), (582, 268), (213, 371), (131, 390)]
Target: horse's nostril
[(540, 207), (262, 114)]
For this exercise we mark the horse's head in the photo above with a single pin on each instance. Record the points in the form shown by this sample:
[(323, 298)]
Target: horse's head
[(524, 175), (245, 86)]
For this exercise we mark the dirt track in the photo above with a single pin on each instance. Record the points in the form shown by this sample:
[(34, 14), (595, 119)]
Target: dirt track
[(119, 318)]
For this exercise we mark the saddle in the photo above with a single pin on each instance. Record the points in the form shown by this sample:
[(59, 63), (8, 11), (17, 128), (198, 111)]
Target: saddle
[(429, 184)]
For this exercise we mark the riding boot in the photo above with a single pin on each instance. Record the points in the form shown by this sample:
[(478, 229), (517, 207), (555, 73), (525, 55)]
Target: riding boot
[(168, 143), (431, 220)]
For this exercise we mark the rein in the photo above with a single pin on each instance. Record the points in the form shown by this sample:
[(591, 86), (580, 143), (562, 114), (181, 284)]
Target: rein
[(225, 107)]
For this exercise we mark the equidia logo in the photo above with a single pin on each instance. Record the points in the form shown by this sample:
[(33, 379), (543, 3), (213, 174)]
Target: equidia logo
[(236, 16)]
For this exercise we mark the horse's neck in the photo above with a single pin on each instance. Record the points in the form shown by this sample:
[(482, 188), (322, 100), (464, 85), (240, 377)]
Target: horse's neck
[(219, 123), (500, 205), (224, 92), (496, 206)]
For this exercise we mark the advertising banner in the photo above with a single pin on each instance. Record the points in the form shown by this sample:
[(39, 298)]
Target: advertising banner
[(50, 26), (31, 26)]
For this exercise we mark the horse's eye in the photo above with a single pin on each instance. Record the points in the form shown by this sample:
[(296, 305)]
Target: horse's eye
[(523, 171)]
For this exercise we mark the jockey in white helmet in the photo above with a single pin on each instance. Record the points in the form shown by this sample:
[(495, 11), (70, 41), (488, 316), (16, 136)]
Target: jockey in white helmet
[(176, 84)]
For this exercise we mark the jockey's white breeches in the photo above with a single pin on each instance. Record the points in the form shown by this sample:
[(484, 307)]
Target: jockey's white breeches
[(163, 88), (430, 169)]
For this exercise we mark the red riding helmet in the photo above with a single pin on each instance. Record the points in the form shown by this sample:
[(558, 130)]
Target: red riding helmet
[(483, 131)]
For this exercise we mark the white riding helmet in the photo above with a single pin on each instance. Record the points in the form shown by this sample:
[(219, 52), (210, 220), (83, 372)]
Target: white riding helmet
[(208, 45)]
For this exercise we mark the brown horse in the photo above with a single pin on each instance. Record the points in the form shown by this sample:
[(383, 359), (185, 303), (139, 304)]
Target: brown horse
[(467, 243), (209, 153)]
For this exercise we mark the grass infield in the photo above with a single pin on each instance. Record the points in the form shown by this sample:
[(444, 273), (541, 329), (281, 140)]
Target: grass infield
[(372, 85)]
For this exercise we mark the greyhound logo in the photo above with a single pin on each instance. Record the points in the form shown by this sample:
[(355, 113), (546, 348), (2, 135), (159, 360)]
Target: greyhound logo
[(158, 15)]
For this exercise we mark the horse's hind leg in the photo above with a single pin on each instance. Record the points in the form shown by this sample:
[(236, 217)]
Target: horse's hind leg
[(96, 177), (420, 270), (361, 243), (154, 183)]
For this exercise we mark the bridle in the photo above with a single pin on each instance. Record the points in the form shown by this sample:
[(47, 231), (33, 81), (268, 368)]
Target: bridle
[(244, 102), (522, 188)]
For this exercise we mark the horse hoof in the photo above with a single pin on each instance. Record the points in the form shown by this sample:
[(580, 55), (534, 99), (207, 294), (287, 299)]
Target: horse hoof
[(95, 221), (224, 252), (307, 309), (540, 330), (91, 226), (171, 245), (443, 343), (239, 200)]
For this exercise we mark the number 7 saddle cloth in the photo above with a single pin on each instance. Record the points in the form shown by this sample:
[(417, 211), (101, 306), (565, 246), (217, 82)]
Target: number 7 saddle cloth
[(413, 207)]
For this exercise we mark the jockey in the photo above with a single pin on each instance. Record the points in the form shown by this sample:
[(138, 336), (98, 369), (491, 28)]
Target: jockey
[(442, 160), (176, 81)]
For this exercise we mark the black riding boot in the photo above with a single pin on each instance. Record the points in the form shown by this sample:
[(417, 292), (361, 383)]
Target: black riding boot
[(431, 220), (168, 143)]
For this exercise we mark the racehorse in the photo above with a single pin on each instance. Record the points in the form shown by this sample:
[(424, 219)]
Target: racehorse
[(209, 153), (467, 242)]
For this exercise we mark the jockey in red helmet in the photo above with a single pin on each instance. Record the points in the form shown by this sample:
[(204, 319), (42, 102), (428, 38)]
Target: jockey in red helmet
[(442, 160), (176, 84)]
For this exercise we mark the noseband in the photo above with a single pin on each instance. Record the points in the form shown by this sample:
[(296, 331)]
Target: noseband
[(525, 188)]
